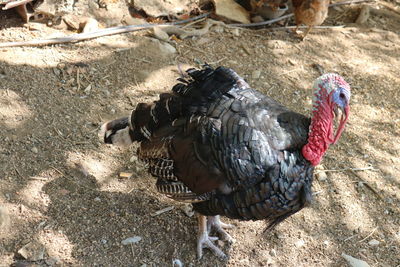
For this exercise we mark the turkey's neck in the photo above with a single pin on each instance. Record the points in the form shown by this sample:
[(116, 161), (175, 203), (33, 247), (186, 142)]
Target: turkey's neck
[(320, 135)]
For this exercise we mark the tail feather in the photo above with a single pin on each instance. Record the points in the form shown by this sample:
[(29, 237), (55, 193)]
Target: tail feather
[(192, 96)]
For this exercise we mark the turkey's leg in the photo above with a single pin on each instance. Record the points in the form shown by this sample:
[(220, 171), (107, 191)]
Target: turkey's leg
[(214, 222), (205, 241)]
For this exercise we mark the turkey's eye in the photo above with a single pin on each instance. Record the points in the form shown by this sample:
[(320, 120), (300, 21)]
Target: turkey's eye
[(342, 96)]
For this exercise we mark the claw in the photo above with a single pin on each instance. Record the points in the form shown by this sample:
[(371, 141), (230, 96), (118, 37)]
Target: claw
[(214, 223), (206, 241)]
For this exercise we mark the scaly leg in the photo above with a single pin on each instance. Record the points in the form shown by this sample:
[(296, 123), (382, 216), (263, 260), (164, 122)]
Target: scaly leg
[(214, 222), (205, 241), (308, 30)]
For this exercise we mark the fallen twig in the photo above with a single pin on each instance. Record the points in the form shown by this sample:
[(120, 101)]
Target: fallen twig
[(373, 231), (349, 169), (17, 171), (162, 211), (350, 237), (38, 178), (100, 33)]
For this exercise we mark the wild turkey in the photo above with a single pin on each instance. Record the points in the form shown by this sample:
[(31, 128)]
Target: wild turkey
[(231, 150)]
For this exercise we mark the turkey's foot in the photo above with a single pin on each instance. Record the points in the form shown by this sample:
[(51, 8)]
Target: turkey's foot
[(206, 241), (214, 223)]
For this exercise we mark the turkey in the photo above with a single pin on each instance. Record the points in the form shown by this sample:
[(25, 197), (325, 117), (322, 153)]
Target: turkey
[(230, 150)]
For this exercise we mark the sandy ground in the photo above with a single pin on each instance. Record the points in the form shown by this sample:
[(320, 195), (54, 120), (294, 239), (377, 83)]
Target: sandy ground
[(60, 189)]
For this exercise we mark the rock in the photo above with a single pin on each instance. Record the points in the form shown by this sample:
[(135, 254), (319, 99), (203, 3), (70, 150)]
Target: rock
[(373, 242), (128, 20), (160, 34), (320, 174), (353, 262), (177, 263), (4, 218), (256, 74), (91, 25), (33, 251), (236, 32), (231, 10), (134, 158), (131, 240), (188, 209), (72, 21), (272, 252), (157, 8), (52, 261), (34, 150), (88, 89), (257, 19), (299, 243), (166, 48)]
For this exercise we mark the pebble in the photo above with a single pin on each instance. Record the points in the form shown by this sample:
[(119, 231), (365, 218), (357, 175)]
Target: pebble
[(166, 48), (373, 242), (160, 34), (299, 243), (91, 25), (4, 217), (88, 89), (97, 199), (134, 158), (131, 240), (236, 32), (256, 74), (34, 150), (353, 262), (177, 263), (257, 19), (33, 251), (188, 210), (272, 252)]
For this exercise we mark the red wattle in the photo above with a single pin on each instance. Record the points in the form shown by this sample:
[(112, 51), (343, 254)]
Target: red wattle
[(320, 135)]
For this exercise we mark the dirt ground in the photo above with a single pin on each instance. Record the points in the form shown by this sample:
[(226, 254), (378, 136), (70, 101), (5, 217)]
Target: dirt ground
[(60, 186)]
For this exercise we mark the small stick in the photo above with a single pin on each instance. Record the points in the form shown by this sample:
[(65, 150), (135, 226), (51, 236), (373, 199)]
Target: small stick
[(318, 192), (38, 178), (100, 33), (194, 48), (162, 211), (133, 254), (373, 231), (218, 61), (17, 171), (77, 79), (57, 170), (350, 237), (350, 169)]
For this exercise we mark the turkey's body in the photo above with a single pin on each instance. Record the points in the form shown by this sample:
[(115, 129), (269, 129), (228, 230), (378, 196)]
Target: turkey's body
[(225, 147)]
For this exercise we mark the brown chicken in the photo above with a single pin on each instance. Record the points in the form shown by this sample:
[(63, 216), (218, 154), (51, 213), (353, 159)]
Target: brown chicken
[(310, 12)]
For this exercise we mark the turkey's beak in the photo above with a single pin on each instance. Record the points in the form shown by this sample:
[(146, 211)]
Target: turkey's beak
[(344, 115)]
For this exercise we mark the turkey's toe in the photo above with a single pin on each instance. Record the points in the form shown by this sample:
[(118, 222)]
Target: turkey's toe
[(214, 223), (205, 241)]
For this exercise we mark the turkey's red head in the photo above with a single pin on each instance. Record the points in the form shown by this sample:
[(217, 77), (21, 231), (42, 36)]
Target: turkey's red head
[(331, 102)]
